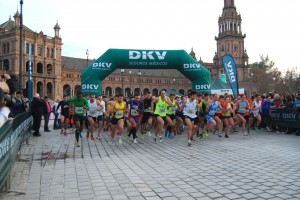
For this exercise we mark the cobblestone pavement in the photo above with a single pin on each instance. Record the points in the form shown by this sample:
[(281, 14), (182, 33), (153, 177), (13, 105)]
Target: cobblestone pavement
[(259, 166)]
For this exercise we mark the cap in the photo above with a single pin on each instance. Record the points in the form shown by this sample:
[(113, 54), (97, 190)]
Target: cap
[(36, 95)]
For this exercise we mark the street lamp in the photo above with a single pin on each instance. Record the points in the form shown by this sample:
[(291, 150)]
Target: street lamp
[(87, 57), (122, 72), (130, 83), (140, 73), (21, 50), (174, 80)]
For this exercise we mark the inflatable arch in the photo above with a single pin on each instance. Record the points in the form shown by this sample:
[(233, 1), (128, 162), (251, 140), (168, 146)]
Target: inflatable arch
[(112, 59)]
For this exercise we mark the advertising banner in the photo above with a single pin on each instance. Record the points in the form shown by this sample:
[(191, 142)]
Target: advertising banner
[(230, 68)]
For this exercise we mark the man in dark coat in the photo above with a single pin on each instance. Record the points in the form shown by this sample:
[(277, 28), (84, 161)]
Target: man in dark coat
[(18, 104), (37, 110), (47, 112)]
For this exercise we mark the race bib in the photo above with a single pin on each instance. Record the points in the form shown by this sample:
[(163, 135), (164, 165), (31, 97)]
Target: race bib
[(212, 112), (172, 110), (134, 112), (92, 112), (79, 110), (162, 110), (190, 111), (242, 110), (119, 114), (147, 109)]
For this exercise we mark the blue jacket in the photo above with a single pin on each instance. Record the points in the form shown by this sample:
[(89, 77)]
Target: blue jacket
[(265, 107)]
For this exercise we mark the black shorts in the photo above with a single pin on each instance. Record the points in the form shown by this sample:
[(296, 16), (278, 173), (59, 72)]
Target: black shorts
[(79, 118), (172, 116), (146, 116), (94, 118), (65, 114), (156, 116), (114, 121), (225, 117), (100, 118)]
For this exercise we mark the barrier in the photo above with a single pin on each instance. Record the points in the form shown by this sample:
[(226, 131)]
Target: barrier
[(12, 134), (285, 117)]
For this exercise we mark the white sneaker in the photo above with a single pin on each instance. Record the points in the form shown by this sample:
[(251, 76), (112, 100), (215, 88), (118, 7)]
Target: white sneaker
[(135, 141), (120, 141), (268, 128)]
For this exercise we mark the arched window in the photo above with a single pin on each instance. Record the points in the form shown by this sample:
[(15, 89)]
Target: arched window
[(39, 68), (6, 64)]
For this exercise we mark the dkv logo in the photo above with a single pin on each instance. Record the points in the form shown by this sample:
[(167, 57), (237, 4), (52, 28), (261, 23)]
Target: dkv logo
[(230, 72), (191, 66), (102, 65), (89, 87), (202, 87), (152, 55)]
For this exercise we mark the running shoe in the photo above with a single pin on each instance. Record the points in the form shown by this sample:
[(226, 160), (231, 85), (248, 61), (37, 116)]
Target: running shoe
[(219, 135), (127, 136), (155, 139), (98, 137), (248, 131), (198, 134), (62, 130), (77, 145), (166, 133), (135, 141), (120, 140), (268, 128), (160, 139), (171, 136), (92, 138), (226, 136), (149, 133), (234, 130), (201, 137), (189, 143), (206, 133), (143, 136), (257, 129)]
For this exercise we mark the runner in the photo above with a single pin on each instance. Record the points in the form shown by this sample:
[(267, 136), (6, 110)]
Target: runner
[(255, 109), (190, 107), (119, 111), (147, 115), (135, 114), (160, 112), (211, 108), (180, 116), (170, 118), (101, 116), (226, 114), (92, 114), (80, 105), (241, 107), (201, 115), (64, 114)]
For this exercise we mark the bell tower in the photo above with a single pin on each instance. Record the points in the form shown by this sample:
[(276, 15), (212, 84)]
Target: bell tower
[(230, 40)]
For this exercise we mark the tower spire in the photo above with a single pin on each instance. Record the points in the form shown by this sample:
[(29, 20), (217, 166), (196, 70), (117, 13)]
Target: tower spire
[(229, 4)]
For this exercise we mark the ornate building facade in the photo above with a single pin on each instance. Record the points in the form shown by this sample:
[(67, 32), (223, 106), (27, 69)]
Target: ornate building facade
[(54, 75), (45, 59)]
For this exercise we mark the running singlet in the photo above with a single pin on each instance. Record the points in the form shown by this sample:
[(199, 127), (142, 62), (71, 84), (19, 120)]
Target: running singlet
[(135, 112), (161, 107), (190, 109), (93, 109), (79, 105), (256, 105), (213, 108), (171, 109), (242, 107), (62, 104), (147, 105), (202, 106), (102, 111), (119, 114), (228, 106)]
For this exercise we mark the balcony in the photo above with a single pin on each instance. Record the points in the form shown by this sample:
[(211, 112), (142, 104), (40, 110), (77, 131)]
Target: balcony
[(42, 75)]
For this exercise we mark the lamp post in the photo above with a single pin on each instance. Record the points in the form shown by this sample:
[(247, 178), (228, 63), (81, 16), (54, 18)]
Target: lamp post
[(21, 50), (122, 72), (87, 57), (140, 73), (174, 80), (130, 83)]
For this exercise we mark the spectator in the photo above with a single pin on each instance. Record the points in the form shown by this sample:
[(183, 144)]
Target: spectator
[(18, 105), (56, 114), (47, 112), (4, 110), (289, 102), (276, 102), (37, 110), (266, 112), (297, 104)]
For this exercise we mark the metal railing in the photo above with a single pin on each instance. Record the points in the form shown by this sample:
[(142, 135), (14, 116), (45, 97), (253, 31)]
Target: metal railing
[(12, 134)]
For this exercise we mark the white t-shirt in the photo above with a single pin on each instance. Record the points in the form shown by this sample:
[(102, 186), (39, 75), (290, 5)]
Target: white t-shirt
[(101, 112), (4, 112)]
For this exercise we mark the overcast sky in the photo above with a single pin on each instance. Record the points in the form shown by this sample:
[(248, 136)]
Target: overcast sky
[(271, 26)]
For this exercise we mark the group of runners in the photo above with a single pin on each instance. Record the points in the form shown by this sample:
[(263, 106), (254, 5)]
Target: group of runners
[(200, 114)]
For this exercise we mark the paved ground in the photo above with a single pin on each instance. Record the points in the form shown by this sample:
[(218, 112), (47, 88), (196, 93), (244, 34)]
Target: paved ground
[(260, 166)]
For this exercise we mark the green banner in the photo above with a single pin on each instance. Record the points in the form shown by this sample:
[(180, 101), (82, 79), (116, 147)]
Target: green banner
[(112, 59)]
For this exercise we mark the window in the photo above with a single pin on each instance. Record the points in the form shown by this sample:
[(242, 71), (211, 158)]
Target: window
[(52, 53), (48, 52), (7, 47), (40, 51), (4, 48)]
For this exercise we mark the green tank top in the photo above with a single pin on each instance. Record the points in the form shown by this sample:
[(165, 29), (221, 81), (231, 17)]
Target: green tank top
[(171, 109), (161, 108), (79, 105)]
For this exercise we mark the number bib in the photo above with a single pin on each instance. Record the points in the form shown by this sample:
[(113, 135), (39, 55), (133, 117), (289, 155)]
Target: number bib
[(147, 109), (162, 110), (79, 110), (242, 110), (134, 112), (119, 114), (190, 111), (172, 110), (212, 112)]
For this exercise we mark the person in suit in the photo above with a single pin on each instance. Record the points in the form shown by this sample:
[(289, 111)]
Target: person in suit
[(47, 112), (37, 110)]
